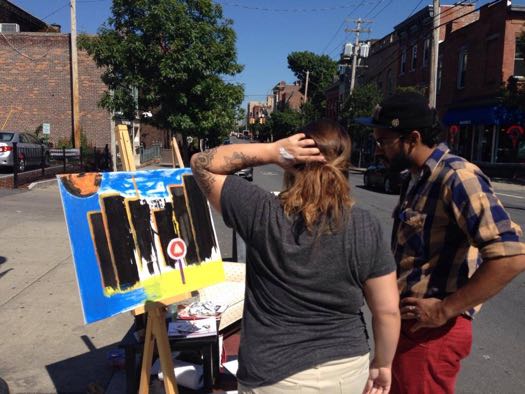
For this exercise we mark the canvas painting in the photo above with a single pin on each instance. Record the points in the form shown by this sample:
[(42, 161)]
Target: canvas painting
[(137, 237)]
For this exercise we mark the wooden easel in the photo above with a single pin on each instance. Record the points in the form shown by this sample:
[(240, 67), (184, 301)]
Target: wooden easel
[(175, 154), (156, 323)]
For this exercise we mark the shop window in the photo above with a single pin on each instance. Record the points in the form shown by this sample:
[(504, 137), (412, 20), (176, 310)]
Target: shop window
[(413, 63), (511, 146), (403, 61), (462, 68)]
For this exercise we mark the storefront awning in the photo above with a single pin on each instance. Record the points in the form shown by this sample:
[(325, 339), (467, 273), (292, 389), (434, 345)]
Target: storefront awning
[(485, 115)]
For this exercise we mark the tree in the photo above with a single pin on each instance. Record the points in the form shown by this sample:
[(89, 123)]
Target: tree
[(360, 103), (321, 73), (174, 53), (284, 123)]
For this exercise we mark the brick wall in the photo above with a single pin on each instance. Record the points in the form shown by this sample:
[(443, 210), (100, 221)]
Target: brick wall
[(35, 87), (490, 44)]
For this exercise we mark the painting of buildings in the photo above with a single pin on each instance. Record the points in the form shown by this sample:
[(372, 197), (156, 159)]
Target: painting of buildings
[(138, 236)]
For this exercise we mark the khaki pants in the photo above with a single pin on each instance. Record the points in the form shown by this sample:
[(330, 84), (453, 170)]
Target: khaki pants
[(344, 376)]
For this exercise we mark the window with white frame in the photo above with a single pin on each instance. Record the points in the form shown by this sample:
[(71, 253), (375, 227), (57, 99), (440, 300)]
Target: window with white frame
[(462, 68), (403, 61), (413, 62), (519, 64), (426, 52)]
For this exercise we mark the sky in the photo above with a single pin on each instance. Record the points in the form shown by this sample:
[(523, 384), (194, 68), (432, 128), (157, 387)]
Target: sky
[(267, 30)]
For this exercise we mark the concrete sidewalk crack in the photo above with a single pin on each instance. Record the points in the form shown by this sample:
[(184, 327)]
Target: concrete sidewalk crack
[(36, 280)]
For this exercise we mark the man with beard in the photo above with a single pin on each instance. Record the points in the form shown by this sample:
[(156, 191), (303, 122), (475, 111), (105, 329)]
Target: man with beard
[(455, 246)]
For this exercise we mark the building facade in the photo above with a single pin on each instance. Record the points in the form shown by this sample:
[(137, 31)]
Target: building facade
[(477, 56), (287, 95), (36, 85), (479, 59)]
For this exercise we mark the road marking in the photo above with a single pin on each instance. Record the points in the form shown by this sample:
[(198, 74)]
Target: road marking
[(510, 195)]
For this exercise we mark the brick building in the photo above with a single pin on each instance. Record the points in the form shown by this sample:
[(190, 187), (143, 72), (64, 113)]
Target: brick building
[(477, 60), (402, 57), (287, 95), (35, 84), (477, 56), (35, 81)]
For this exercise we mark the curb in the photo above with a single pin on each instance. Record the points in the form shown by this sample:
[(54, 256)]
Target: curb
[(41, 184)]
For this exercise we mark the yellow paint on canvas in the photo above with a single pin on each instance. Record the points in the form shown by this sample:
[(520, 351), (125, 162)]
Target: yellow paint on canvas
[(197, 276)]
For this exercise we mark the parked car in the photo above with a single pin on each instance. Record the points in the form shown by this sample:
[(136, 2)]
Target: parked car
[(29, 150), (377, 175), (246, 173)]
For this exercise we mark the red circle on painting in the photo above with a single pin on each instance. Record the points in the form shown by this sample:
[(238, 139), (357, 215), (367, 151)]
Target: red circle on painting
[(177, 249)]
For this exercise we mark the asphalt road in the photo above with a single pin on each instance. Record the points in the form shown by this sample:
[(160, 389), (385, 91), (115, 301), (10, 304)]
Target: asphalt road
[(496, 362)]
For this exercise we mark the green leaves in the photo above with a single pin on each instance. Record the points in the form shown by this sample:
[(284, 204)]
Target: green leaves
[(321, 69), (176, 53)]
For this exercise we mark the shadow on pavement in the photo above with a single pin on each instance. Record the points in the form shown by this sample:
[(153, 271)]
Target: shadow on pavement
[(86, 373)]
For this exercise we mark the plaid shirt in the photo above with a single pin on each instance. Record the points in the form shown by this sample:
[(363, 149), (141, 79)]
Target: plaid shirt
[(446, 225)]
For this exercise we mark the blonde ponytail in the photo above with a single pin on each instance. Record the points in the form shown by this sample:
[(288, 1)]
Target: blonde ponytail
[(319, 193)]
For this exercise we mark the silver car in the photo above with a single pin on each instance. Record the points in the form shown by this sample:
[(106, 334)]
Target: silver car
[(29, 150)]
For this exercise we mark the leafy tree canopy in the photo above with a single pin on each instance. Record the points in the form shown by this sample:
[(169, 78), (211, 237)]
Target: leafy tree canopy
[(284, 123), (360, 103), (175, 53), (322, 70)]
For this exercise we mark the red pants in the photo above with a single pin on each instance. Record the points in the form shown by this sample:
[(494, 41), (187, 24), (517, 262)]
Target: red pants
[(428, 360)]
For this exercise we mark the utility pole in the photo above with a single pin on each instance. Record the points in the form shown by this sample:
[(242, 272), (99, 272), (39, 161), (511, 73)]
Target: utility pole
[(306, 86), (355, 52), (75, 106), (432, 88)]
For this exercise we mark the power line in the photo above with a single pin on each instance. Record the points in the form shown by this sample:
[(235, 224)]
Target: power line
[(55, 11), (415, 8), (255, 8), (341, 25), (382, 9), (373, 8)]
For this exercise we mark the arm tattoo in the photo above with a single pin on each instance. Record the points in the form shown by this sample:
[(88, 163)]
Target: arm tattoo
[(204, 171), (200, 170), (239, 161)]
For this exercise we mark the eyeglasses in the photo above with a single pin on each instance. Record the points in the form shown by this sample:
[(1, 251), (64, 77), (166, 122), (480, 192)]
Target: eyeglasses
[(382, 142)]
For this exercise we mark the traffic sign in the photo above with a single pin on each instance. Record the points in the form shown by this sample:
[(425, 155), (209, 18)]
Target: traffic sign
[(46, 128), (177, 249)]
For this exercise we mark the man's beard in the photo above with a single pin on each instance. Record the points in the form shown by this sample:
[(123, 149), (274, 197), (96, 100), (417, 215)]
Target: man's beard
[(398, 163)]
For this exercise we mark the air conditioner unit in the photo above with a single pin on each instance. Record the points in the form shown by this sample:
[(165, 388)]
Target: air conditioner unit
[(9, 28)]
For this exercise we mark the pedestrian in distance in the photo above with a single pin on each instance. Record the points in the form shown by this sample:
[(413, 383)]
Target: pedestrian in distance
[(454, 244), (312, 255)]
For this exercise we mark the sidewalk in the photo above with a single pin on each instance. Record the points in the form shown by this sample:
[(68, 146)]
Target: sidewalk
[(45, 346)]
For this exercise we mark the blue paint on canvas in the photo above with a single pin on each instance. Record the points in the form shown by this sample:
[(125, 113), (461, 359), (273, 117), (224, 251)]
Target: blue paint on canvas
[(96, 305)]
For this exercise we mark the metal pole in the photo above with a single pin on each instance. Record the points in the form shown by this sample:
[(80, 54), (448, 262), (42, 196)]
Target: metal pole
[(432, 88), (306, 86), (64, 157), (42, 159), (15, 165), (74, 77), (354, 55)]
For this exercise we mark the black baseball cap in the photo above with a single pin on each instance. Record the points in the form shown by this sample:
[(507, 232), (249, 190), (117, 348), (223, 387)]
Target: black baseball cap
[(401, 111)]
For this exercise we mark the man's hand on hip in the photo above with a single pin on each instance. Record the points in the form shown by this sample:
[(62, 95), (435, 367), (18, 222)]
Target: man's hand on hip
[(429, 312)]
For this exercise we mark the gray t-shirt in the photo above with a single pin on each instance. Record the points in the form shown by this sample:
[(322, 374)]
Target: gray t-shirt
[(303, 298)]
